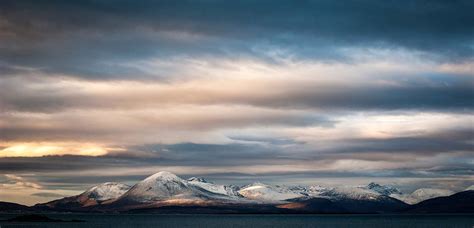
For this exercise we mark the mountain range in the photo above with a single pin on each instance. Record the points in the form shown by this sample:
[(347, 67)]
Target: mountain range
[(165, 192)]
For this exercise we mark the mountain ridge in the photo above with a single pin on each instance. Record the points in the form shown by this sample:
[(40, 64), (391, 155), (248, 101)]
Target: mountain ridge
[(167, 190)]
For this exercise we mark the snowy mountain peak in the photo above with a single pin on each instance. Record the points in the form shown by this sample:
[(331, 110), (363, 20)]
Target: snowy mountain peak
[(317, 190), (267, 193), (255, 184), (198, 179), (159, 186), (163, 175), (352, 192), (422, 194), (164, 186), (97, 195), (106, 191), (227, 190), (431, 192), (383, 189), (372, 185)]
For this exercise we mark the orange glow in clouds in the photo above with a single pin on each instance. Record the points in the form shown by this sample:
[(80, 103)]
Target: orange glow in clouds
[(45, 149)]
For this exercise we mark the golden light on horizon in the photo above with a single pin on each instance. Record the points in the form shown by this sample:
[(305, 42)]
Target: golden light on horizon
[(45, 149)]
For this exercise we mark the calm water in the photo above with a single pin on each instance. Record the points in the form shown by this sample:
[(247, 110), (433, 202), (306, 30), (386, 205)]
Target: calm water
[(273, 221)]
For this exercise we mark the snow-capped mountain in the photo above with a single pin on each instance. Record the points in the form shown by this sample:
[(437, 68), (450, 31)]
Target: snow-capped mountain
[(428, 193), (160, 186), (167, 187), (106, 191), (316, 190), (383, 189), (97, 195), (372, 191), (354, 193), (229, 190), (413, 198), (267, 193), (343, 199), (422, 194)]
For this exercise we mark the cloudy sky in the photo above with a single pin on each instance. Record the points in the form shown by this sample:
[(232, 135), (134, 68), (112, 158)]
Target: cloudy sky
[(308, 92)]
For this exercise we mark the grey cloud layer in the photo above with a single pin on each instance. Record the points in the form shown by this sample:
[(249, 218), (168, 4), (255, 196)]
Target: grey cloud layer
[(447, 141), (439, 92), (235, 161), (258, 151), (62, 36)]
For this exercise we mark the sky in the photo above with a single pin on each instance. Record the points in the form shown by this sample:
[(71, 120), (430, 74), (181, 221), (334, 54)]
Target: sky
[(288, 92)]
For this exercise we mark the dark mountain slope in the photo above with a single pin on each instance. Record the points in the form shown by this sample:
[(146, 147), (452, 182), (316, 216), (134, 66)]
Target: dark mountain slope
[(13, 207), (461, 202)]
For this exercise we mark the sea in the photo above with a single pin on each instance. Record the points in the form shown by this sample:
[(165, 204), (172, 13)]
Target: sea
[(245, 221)]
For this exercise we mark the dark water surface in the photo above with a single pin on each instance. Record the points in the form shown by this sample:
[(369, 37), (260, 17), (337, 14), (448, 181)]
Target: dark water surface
[(273, 221)]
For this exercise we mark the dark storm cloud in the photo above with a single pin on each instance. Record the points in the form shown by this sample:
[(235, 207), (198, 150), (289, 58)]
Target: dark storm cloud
[(93, 39)]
